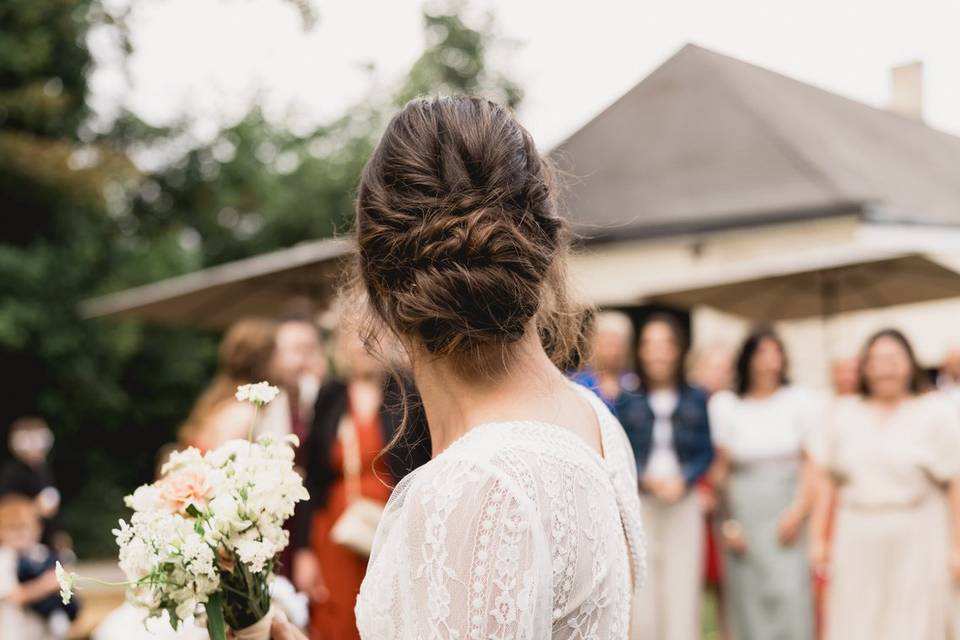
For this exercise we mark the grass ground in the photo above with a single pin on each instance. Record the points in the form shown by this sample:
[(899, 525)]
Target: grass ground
[(710, 617)]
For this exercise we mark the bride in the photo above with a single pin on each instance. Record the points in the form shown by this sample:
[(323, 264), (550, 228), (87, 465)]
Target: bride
[(526, 522)]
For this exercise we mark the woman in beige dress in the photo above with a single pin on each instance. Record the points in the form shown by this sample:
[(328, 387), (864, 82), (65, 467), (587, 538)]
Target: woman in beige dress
[(888, 461)]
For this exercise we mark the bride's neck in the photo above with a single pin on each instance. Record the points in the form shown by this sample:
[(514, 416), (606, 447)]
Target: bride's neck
[(455, 404)]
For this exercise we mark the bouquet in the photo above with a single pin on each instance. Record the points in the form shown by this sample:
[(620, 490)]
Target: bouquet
[(203, 538)]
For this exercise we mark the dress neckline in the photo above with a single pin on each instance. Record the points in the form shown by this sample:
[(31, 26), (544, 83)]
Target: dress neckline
[(548, 427), (545, 425), (603, 463)]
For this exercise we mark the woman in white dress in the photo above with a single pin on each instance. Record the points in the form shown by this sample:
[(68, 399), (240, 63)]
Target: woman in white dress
[(526, 522), (767, 483)]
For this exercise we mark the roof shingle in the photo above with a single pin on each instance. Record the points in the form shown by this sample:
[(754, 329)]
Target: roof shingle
[(708, 141)]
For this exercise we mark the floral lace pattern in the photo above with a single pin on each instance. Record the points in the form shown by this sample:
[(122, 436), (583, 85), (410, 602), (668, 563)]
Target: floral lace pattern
[(518, 531)]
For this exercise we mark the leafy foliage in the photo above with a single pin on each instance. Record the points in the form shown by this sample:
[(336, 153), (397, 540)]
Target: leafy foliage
[(455, 61), (81, 219)]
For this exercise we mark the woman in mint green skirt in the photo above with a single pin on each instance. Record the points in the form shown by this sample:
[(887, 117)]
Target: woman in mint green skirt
[(761, 431)]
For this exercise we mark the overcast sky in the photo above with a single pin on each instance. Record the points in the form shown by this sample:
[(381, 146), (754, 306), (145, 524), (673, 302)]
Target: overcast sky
[(206, 59)]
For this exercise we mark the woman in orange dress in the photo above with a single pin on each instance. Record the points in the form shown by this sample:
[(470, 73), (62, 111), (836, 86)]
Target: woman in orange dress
[(353, 422)]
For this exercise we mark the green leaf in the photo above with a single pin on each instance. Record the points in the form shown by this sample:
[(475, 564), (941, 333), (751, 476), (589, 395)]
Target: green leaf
[(193, 511), (216, 627), (174, 618)]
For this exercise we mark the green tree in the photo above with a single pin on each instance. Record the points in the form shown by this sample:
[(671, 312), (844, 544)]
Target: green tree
[(455, 60), (102, 388), (83, 220), (258, 187)]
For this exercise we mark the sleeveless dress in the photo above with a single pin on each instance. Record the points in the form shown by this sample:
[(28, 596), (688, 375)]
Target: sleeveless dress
[(517, 530)]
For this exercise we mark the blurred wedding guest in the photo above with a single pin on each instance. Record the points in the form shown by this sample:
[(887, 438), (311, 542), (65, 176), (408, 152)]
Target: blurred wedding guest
[(28, 474), (667, 424), (712, 369), (298, 366), (609, 371), (948, 379), (844, 383), (349, 482), (888, 458), (245, 355), (765, 486), (845, 376), (950, 371), (300, 360), (29, 606)]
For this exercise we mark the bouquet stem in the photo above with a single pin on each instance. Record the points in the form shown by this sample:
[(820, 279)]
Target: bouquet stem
[(259, 630), (243, 606), (247, 597)]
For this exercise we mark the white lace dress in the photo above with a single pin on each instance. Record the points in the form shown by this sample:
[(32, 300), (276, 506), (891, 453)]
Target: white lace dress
[(518, 530)]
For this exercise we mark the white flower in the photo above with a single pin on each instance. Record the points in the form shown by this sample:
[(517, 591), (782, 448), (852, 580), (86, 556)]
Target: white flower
[(229, 453), (145, 498), (255, 553), (226, 515), (172, 559), (189, 457), (66, 580), (259, 394), (186, 608)]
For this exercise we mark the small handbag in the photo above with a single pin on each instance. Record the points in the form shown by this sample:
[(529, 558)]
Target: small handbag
[(357, 525)]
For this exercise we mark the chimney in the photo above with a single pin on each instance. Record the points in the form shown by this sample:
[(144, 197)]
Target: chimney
[(906, 81)]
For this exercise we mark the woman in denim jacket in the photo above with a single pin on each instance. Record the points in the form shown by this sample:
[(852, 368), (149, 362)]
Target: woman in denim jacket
[(666, 421)]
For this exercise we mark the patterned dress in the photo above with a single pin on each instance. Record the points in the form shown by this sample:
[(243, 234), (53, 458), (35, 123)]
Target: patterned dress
[(517, 530)]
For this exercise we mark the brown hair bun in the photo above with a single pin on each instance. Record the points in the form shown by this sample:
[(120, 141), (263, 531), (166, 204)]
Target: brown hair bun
[(460, 244)]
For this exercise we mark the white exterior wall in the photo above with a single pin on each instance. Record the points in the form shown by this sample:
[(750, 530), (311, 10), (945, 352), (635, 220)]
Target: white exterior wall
[(622, 274)]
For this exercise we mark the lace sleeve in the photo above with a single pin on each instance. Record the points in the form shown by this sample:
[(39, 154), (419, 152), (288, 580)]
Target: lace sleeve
[(479, 564)]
